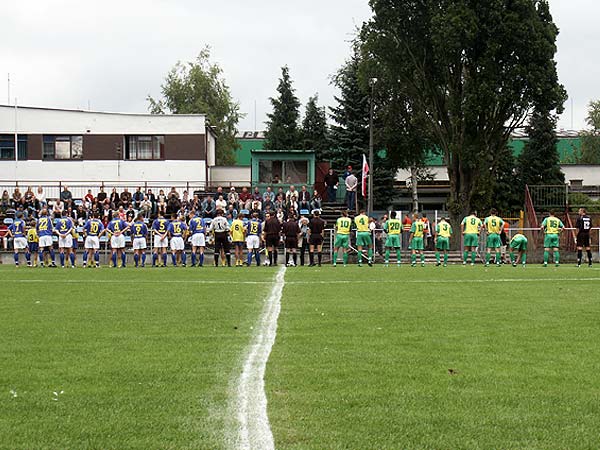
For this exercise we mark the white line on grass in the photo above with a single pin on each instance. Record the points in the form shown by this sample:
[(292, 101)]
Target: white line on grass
[(251, 404)]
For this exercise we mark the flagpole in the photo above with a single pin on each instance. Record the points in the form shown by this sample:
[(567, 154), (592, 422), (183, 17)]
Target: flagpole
[(371, 167)]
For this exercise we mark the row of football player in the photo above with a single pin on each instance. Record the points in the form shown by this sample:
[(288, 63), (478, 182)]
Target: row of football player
[(471, 227)]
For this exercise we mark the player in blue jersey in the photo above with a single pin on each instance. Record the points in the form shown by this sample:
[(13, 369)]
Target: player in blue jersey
[(116, 229), (160, 231), (197, 228), (45, 230), (253, 238), (64, 230), (16, 230), (177, 232), (92, 231), (139, 233)]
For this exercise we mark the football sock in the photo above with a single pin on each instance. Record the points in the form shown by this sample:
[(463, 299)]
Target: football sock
[(359, 257), (274, 256), (62, 259), (465, 256), (311, 258), (335, 257), (154, 258), (249, 258), (370, 254), (319, 257), (498, 257), (422, 258), (445, 258), (52, 255), (271, 258), (114, 259), (183, 258), (398, 256), (123, 258), (97, 257), (143, 258), (41, 256), (473, 257), (524, 258), (136, 259), (487, 258), (173, 259), (512, 257), (28, 257), (413, 258), (546, 256), (193, 258), (164, 259), (345, 258), (72, 258), (85, 258), (201, 258), (294, 258), (579, 257), (16, 256), (437, 257), (217, 259), (228, 258), (387, 256), (556, 257), (256, 257), (589, 255)]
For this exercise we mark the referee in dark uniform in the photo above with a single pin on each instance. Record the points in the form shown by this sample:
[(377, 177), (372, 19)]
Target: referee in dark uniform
[(315, 239), (583, 225), (272, 231)]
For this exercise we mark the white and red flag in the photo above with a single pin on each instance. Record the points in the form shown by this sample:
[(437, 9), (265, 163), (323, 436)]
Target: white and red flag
[(365, 173)]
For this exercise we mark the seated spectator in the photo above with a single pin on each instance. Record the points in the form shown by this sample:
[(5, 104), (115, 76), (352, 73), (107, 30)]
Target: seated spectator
[(304, 198), (80, 215), (276, 179), (41, 198), (245, 199), (88, 200), (280, 215), (221, 203), (17, 198), (58, 208), (101, 195), (208, 207), (152, 199), (173, 193), (256, 206), (316, 201), (196, 204), (125, 198), (279, 202), (269, 195), (233, 197), (66, 196), (130, 213), (185, 198), (138, 198), (173, 204), (162, 202), (146, 207), (256, 196), (291, 191), (232, 211), (220, 192), (122, 213), (29, 199), (5, 202), (293, 202)]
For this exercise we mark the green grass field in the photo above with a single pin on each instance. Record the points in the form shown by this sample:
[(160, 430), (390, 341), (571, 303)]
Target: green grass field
[(365, 358)]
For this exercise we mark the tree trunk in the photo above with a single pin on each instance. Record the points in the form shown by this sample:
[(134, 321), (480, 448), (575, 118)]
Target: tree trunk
[(414, 188)]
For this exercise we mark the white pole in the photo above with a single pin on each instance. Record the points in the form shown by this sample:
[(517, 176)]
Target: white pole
[(8, 101), (16, 134)]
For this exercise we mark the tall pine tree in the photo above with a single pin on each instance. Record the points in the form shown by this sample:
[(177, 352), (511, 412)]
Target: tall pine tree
[(315, 134), (282, 127)]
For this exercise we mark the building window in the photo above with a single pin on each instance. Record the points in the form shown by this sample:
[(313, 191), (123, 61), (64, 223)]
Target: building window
[(288, 172), (62, 147), (7, 146), (144, 147)]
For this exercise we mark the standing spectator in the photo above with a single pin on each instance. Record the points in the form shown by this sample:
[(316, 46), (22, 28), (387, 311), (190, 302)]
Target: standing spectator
[(331, 184), (303, 238), (427, 241), (101, 195), (173, 193), (347, 172), (351, 185), (66, 196), (406, 226)]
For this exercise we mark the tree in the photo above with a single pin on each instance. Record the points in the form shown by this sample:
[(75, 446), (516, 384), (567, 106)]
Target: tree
[(315, 134), (539, 162), (471, 73), (590, 139), (282, 127), (199, 87)]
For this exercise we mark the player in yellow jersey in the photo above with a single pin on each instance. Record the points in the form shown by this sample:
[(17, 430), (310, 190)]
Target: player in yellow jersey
[(493, 225), (518, 243), (417, 233), (363, 237), (552, 226), (443, 232), (393, 228), (33, 242), (470, 228), (238, 238), (342, 237)]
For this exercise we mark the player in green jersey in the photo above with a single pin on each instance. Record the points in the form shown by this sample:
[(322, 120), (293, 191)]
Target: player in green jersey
[(552, 226), (417, 232), (443, 232), (493, 225), (342, 237), (518, 244), (393, 228), (470, 227), (363, 237)]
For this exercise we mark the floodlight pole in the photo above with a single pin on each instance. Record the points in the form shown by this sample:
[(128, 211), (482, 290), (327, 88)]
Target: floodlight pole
[(371, 168)]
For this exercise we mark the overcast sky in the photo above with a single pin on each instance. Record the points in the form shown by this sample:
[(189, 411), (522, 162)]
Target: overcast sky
[(64, 53)]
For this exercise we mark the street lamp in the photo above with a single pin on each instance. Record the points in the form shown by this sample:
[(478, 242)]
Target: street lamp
[(371, 168)]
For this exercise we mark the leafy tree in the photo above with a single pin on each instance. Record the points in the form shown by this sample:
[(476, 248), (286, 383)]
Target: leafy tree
[(539, 163), (315, 134), (471, 72), (590, 139), (282, 127), (199, 87)]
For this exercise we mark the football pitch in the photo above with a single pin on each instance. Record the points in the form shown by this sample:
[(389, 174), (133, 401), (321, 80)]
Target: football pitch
[(364, 358)]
